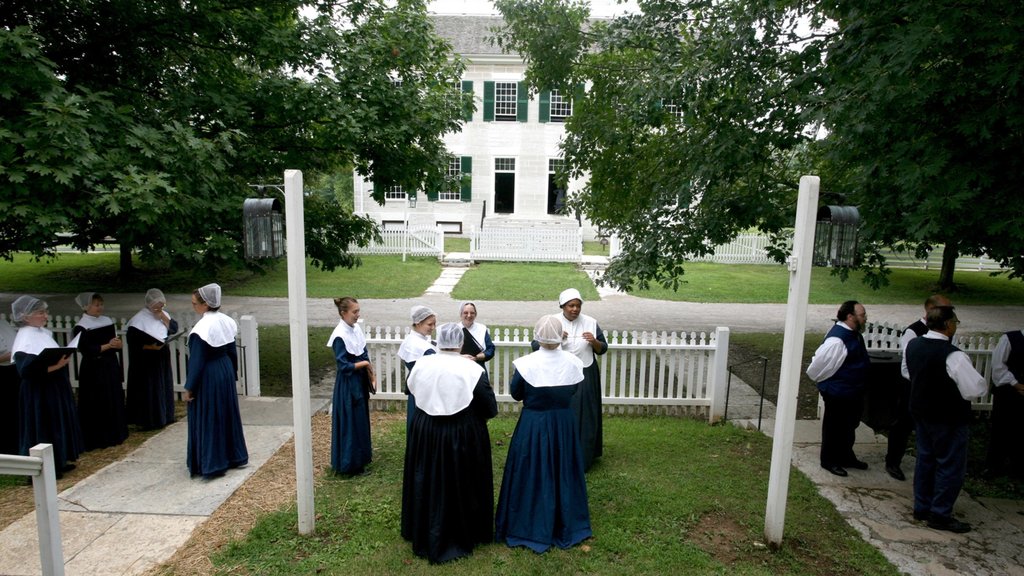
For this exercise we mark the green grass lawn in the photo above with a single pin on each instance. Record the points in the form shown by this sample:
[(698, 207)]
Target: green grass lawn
[(522, 281), (669, 496)]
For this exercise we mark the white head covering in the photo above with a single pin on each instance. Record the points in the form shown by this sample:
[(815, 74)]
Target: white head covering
[(24, 306), (420, 313), (548, 330), (463, 305), (211, 295), (567, 295), (154, 295), (449, 336), (443, 383), (84, 299)]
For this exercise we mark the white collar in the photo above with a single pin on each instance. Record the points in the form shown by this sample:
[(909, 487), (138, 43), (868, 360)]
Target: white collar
[(545, 368), (355, 340), (216, 328), (145, 321), (443, 383), (32, 340), (92, 322), (414, 345)]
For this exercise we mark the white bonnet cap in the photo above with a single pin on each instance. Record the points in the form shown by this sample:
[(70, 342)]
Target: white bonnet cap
[(23, 306), (420, 313), (567, 295), (211, 295), (154, 295), (449, 336), (84, 299), (548, 330)]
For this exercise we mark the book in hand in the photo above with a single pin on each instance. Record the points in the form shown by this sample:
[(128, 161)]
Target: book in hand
[(175, 336), (50, 356)]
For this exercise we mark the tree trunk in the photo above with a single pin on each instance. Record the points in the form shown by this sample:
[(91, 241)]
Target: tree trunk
[(949, 255), (126, 267)]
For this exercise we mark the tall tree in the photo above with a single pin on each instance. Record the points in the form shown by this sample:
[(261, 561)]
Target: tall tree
[(165, 111), (699, 118)]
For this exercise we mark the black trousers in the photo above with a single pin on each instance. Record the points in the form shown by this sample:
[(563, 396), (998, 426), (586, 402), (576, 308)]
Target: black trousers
[(901, 427), (839, 428), (1006, 442)]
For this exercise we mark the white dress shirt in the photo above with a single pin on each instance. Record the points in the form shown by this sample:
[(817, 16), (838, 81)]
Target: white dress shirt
[(959, 367), (828, 357), (1001, 375)]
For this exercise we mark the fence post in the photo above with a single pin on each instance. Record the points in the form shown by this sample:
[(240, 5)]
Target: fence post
[(721, 376), (44, 484), (250, 334)]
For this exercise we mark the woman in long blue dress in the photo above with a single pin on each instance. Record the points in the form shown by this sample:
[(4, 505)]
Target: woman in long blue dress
[(150, 391), (100, 376), (47, 406), (582, 336), (350, 409), (448, 482), (416, 345), (543, 499), (215, 438)]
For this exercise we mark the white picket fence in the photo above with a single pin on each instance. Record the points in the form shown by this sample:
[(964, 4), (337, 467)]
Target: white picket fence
[(40, 467), (885, 336), (527, 242), (416, 240), (672, 373), (248, 382)]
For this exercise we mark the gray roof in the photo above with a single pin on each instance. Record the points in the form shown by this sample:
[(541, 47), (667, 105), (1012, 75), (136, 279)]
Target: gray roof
[(468, 34)]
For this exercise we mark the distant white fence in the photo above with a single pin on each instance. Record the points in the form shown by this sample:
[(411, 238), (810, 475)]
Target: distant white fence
[(416, 240), (752, 249), (523, 242), (642, 371), (886, 336), (40, 467), (248, 382)]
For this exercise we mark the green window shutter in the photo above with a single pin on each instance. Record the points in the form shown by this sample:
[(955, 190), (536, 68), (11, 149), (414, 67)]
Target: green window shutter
[(432, 195), (467, 179), (523, 98), (467, 112), (488, 101), (579, 91), (545, 106)]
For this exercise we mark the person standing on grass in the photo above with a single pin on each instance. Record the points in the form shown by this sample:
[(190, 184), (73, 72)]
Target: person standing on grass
[(447, 483), (100, 376), (840, 367), (543, 498), (943, 382), (1005, 442), (476, 339), (899, 431), (582, 337), (47, 405), (355, 381), (150, 379), (216, 441), (416, 345)]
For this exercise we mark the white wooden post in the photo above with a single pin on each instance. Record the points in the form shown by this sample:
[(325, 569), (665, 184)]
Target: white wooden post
[(301, 414), (720, 378), (249, 331), (792, 357), (44, 485)]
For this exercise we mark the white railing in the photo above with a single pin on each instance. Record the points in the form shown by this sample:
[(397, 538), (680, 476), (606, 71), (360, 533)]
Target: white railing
[(40, 467), (417, 240), (248, 382), (673, 372), (525, 242)]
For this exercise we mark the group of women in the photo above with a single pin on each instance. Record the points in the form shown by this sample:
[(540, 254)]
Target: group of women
[(448, 491), (34, 365)]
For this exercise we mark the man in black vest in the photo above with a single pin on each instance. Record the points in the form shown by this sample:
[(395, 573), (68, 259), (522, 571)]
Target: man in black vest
[(1007, 406), (840, 367), (899, 431), (943, 382)]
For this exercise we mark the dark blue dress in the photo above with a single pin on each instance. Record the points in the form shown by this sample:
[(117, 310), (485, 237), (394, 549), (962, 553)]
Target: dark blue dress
[(48, 412), (100, 393), (410, 405), (350, 413), (543, 499), (10, 387), (215, 438), (150, 392)]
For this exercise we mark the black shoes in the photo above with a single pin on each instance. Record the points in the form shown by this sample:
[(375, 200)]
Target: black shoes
[(897, 473), (857, 464), (837, 470), (948, 524), (922, 516)]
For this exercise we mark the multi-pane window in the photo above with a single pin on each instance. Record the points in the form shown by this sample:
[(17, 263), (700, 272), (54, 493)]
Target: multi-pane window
[(561, 106), (505, 98), (454, 173), (504, 164), (504, 185), (673, 107), (394, 193), (556, 187)]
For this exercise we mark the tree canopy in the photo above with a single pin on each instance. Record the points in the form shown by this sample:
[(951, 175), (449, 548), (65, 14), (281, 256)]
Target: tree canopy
[(145, 121), (700, 117)]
